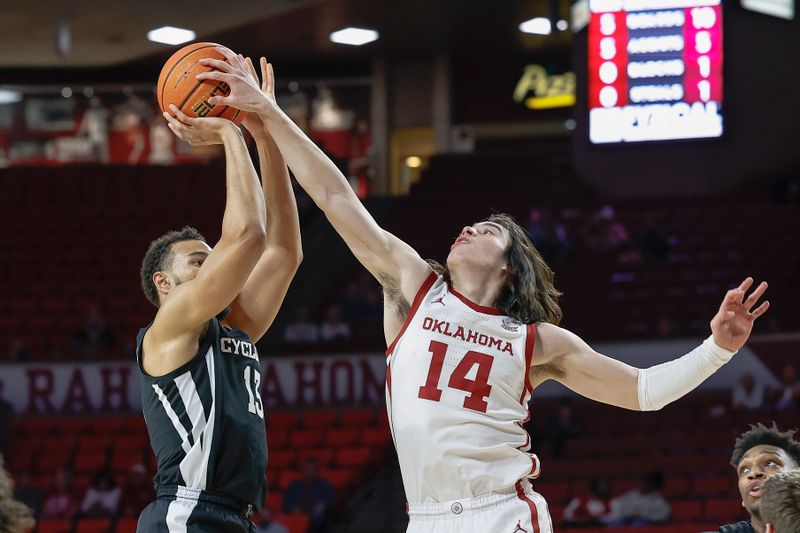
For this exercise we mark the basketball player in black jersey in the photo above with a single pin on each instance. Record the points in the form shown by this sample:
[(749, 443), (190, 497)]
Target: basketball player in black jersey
[(759, 454), (200, 370)]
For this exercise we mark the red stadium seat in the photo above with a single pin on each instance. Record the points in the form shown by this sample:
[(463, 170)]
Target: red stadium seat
[(123, 461), (317, 420), (52, 462), (286, 477), (283, 420), (337, 438), (353, 457), (94, 443), (93, 525), (305, 438), (277, 438), (295, 522), (89, 462), (324, 457), (686, 510), (281, 458), (274, 501), (126, 525), (713, 486), (723, 509), (376, 437), (52, 525), (357, 418), (339, 478)]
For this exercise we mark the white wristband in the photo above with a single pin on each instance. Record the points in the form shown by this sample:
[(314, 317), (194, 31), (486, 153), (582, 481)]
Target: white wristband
[(662, 384)]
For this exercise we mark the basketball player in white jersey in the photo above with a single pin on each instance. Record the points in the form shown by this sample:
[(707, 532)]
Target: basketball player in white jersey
[(469, 341)]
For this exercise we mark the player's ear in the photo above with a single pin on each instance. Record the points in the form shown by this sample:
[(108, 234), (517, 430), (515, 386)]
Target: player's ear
[(162, 282)]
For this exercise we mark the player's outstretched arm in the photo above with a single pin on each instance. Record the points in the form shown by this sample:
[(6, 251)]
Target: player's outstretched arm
[(190, 305), (565, 357), (388, 258), (258, 303)]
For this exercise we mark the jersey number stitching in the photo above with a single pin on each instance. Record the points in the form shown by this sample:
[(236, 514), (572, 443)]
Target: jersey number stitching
[(478, 388), (253, 393)]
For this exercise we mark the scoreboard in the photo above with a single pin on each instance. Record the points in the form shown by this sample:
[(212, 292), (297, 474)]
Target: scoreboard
[(655, 70)]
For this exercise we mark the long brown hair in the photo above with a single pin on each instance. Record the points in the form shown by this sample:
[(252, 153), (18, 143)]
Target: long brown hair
[(529, 296)]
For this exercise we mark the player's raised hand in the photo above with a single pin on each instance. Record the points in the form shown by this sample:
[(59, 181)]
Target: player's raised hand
[(252, 122), (198, 131), (733, 323), (245, 93)]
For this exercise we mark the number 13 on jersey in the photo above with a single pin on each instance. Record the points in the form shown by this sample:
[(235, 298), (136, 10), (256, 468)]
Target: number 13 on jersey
[(253, 391), (477, 388)]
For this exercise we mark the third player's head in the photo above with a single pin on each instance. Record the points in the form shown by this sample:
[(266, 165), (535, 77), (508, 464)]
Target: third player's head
[(759, 454), (172, 259), (780, 507), (498, 246)]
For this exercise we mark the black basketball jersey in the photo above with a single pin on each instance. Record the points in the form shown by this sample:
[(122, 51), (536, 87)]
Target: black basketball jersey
[(739, 527), (206, 420)]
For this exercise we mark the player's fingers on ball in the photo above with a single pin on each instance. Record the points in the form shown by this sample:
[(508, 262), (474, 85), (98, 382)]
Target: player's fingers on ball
[(230, 57), (217, 100), (213, 75), (183, 117), (223, 66)]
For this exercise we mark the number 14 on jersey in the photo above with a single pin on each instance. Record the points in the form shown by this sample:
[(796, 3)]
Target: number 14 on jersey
[(477, 388)]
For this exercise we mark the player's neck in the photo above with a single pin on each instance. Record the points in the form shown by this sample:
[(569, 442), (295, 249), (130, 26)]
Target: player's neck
[(758, 525), (482, 288)]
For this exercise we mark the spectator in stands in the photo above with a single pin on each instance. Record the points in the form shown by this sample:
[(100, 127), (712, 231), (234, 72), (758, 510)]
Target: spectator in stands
[(354, 303), (653, 245), (606, 234), (780, 506), (549, 236), (15, 517), (29, 493), (301, 330), (748, 394), (102, 497), (760, 453), (645, 505), (565, 427), (137, 491), (94, 334), (268, 524), (6, 417), (162, 151), (94, 127), (333, 327), (61, 502), (589, 509), (17, 351), (311, 494), (787, 395)]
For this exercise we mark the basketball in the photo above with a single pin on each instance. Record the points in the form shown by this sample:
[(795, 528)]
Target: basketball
[(177, 84)]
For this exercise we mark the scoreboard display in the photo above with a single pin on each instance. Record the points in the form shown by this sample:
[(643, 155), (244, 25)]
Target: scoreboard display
[(655, 70)]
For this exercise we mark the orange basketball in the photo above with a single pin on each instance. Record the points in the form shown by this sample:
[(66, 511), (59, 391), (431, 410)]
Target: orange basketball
[(178, 85)]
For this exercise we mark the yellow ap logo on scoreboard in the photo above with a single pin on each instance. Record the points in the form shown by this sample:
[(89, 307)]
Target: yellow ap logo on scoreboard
[(548, 90)]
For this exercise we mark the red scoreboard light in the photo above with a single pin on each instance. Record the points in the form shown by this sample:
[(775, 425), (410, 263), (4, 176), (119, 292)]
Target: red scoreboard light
[(655, 70)]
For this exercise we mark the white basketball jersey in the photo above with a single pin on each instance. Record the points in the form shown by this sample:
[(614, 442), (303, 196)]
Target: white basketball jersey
[(457, 392)]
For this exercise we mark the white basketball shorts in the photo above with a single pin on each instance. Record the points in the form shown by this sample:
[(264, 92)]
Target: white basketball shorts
[(517, 509)]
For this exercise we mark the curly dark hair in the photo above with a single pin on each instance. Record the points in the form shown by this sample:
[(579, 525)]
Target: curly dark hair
[(158, 257), (761, 434), (530, 295)]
